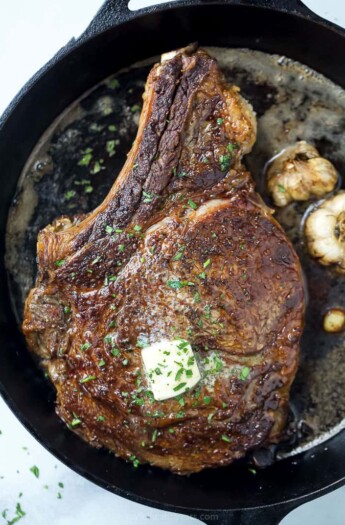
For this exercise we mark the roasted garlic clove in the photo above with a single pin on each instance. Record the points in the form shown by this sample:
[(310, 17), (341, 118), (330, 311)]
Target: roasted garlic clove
[(298, 174), (334, 320), (325, 231)]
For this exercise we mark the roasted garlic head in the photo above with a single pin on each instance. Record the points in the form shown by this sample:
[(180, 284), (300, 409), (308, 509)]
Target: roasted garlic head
[(325, 231), (298, 174)]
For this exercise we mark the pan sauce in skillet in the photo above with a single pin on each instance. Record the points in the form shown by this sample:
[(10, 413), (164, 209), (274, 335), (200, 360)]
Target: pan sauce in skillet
[(292, 103)]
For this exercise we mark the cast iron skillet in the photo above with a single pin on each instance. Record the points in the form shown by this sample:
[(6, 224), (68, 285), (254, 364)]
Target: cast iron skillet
[(117, 38)]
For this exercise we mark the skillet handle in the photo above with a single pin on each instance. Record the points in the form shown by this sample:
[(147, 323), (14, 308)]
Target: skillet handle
[(115, 12), (262, 516), (112, 13)]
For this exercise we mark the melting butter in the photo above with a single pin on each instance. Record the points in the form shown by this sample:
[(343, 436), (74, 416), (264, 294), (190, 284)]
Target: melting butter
[(171, 368)]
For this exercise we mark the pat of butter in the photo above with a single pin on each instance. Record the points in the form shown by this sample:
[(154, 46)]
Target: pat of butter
[(171, 368)]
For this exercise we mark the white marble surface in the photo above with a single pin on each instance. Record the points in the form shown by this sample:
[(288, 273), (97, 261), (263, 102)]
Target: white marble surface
[(30, 33)]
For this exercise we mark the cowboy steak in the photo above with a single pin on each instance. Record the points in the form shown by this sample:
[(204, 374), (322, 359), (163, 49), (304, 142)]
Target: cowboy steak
[(183, 255)]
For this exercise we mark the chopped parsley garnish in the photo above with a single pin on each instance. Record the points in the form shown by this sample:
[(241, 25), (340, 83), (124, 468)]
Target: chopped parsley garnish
[(179, 387), (100, 418), (154, 435), (35, 470), (110, 147), (86, 158), (207, 263), (207, 311), (179, 254), (101, 363), (125, 362), (70, 194), (213, 364), (95, 127), (171, 431), (97, 167), (147, 197), (135, 108), (220, 121), (137, 228), (192, 204), (281, 188), (142, 341), (231, 147), (177, 285), (112, 127), (67, 310), (224, 162), (82, 182), (182, 174), (85, 346), (207, 400), (197, 297), (115, 352), (135, 461), (179, 374), (19, 515), (59, 263), (252, 470), (197, 393), (113, 83), (244, 373), (75, 421), (109, 229), (226, 438), (88, 189), (121, 248), (202, 275), (86, 379), (149, 395)]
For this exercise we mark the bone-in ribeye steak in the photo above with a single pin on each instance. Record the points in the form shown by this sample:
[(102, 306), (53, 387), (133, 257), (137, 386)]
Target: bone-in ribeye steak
[(182, 247)]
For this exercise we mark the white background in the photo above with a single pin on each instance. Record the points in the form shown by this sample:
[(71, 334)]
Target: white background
[(31, 31)]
